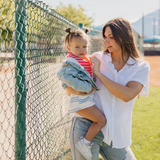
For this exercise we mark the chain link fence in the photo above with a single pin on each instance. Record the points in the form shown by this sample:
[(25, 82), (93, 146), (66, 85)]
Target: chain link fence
[(34, 123)]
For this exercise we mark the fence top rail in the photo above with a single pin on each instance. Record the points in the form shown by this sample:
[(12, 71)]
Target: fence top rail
[(43, 6)]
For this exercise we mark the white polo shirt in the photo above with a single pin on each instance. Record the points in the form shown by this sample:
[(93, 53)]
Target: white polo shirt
[(119, 113)]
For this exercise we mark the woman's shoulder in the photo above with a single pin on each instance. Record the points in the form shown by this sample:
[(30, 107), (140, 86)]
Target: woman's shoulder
[(142, 66), (142, 63), (99, 54)]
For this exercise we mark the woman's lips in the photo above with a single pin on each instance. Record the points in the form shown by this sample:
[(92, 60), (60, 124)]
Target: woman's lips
[(109, 47)]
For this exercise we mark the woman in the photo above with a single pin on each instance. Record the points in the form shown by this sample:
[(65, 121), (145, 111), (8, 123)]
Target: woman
[(121, 76)]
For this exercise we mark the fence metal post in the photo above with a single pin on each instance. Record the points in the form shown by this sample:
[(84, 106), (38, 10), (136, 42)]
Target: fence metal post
[(20, 86), (80, 25)]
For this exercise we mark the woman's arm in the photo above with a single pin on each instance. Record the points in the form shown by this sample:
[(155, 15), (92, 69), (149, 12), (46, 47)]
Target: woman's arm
[(70, 90), (125, 93)]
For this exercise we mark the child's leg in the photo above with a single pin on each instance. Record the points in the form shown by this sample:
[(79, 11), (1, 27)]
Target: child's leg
[(94, 114)]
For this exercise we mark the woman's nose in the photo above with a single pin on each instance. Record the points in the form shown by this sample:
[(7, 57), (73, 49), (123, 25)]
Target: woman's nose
[(107, 40)]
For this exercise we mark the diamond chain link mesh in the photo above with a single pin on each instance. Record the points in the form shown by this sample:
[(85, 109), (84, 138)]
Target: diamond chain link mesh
[(34, 123)]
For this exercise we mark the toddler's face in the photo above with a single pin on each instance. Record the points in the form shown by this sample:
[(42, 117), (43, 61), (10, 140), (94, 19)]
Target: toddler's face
[(78, 46)]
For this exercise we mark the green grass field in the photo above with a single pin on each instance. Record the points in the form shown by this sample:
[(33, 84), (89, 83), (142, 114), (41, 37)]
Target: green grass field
[(146, 126)]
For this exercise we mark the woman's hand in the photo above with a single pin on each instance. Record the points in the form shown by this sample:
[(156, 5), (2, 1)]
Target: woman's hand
[(91, 90), (96, 62), (70, 90)]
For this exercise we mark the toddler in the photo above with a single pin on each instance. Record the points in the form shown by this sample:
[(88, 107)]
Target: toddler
[(76, 72)]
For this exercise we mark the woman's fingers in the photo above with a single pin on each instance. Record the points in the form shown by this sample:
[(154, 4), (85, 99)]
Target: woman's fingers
[(97, 63), (91, 90), (94, 60), (82, 93)]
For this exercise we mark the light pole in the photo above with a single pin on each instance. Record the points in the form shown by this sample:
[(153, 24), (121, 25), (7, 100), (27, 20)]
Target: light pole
[(142, 33), (154, 24), (159, 19)]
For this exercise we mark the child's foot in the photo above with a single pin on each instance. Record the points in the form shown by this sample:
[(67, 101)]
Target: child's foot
[(85, 149)]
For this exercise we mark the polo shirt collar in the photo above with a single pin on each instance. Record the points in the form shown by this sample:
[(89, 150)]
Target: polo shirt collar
[(108, 57), (130, 61)]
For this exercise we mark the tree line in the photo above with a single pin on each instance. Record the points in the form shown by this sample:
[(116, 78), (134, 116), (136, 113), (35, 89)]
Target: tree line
[(38, 22)]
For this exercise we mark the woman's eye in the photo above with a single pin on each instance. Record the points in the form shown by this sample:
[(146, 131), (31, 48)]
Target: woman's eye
[(77, 47), (84, 46), (111, 38)]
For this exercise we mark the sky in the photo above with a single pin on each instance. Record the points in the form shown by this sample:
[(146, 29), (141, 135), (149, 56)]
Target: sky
[(104, 10)]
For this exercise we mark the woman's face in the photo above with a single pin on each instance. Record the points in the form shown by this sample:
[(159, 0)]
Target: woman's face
[(111, 44)]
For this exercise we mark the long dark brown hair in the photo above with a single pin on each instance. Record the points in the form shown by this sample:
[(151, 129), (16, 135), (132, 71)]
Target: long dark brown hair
[(123, 35)]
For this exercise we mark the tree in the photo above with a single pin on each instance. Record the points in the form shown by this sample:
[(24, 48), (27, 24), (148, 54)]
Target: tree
[(7, 23), (75, 15)]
